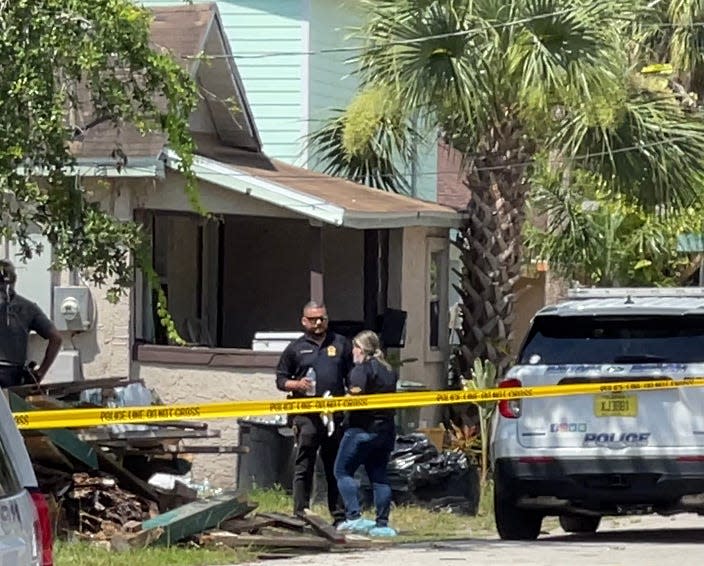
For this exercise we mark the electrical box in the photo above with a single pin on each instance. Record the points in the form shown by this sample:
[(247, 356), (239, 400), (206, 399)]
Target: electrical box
[(73, 308)]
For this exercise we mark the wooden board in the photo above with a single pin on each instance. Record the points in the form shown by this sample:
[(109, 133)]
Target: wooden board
[(44, 451), (281, 520), (247, 525), (69, 387), (104, 434), (323, 528), (62, 438), (260, 541), (197, 517)]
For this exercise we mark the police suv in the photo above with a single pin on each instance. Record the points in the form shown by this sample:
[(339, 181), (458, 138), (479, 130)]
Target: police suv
[(583, 457)]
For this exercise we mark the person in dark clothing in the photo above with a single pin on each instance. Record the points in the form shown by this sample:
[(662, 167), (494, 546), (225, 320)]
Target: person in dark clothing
[(316, 363), (368, 439), (18, 317)]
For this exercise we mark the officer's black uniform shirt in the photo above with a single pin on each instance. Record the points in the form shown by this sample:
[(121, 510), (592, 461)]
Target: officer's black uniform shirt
[(332, 361), (368, 378)]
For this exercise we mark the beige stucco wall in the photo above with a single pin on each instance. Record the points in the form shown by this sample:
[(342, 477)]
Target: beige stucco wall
[(176, 384), (105, 348), (430, 367), (530, 297)]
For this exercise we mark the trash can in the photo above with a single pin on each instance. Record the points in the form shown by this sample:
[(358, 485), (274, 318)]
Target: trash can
[(269, 461), (407, 418)]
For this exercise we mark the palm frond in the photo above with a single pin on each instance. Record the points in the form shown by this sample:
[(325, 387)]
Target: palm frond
[(368, 146), (653, 149)]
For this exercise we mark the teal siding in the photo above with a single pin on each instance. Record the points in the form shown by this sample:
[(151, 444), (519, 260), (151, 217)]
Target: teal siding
[(331, 84), (426, 184), (278, 87), (274, 84)]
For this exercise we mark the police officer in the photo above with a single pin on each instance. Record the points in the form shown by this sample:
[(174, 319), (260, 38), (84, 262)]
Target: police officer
[(19, 316), (330, 357)]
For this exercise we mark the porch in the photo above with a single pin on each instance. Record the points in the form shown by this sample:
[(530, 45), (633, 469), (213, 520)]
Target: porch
[(279, 237)]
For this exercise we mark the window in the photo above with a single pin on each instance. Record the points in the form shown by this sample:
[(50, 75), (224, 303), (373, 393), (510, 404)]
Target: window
[(434, 299), (437, 333), (186, 260), (613, 340)]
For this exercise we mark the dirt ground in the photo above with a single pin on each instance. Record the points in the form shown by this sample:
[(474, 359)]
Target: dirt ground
[(634, 541)]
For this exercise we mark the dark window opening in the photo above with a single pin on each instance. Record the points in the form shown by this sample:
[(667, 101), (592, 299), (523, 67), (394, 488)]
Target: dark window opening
[(613, 340)]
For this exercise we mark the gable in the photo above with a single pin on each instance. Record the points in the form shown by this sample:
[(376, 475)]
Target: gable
[(193, 35)]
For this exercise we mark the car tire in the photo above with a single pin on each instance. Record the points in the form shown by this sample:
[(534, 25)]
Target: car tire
[(512, 522), (579, 523)]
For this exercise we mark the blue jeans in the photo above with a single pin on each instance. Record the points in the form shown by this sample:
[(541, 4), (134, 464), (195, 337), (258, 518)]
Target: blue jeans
[(371, 450)]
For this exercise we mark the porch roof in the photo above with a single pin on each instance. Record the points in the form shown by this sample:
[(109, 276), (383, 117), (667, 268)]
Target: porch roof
[(318, 196)]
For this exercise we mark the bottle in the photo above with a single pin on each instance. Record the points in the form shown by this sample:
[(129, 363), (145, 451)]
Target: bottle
[(310, 374)]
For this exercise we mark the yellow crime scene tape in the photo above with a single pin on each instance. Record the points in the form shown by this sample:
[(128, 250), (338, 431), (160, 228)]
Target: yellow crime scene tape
[(91, 417)]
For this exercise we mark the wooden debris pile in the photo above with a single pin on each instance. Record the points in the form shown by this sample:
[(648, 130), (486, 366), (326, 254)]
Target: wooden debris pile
[(99, 505), (97, 478), (97, 483), (228, 520)]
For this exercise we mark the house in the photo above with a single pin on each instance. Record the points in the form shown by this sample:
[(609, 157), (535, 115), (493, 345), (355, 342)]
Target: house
[(280, 235), (293, 57)]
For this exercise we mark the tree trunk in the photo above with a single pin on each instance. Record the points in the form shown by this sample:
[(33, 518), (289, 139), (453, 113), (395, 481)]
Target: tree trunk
[(491, 252)]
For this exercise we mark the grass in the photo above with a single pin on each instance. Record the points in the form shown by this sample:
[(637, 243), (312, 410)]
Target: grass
[(414, 524), (75, 553)]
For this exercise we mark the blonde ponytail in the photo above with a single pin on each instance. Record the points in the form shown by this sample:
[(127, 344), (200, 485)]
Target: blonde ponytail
[(368, 341)]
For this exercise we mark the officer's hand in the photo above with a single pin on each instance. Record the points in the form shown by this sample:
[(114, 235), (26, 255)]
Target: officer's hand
[(301, 385)]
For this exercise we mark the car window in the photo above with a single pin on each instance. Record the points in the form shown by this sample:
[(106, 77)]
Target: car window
[(9, 484), (612, 340)]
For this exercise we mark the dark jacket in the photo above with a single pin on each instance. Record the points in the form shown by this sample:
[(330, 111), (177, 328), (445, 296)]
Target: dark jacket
[(368, 378), (332, 361)]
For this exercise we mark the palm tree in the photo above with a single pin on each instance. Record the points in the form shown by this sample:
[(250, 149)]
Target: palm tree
[(507, 82), (672, 33)]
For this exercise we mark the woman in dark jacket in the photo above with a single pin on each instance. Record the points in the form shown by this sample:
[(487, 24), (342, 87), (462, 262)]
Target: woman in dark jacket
[(368, 439)]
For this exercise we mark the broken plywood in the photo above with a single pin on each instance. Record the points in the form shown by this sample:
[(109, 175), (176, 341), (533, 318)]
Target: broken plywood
[(321, 527), (197, 517)]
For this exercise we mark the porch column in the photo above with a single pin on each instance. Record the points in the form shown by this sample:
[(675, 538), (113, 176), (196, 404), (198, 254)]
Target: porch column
[(371, 278), (316, 263)]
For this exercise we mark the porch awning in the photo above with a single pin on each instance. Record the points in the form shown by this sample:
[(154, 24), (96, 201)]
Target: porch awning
[(320, 197)]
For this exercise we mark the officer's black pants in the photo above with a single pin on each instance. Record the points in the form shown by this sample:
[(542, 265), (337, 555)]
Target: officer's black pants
[(11, 376), (312, 436)]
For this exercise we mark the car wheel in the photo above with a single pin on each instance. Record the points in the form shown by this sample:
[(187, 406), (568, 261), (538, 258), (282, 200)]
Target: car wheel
[(512, 522), (579, 523)]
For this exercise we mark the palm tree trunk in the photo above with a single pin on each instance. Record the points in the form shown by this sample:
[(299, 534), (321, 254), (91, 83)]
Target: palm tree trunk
[(491, 253)]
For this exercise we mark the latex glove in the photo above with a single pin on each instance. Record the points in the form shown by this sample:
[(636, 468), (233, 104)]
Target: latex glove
[(328, 421)]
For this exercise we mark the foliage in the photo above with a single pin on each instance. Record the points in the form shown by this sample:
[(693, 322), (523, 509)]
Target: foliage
[(483, 377), (670, 32), (395, 360), (70, 66), (376, 135), (508, 81), (597, 237)]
